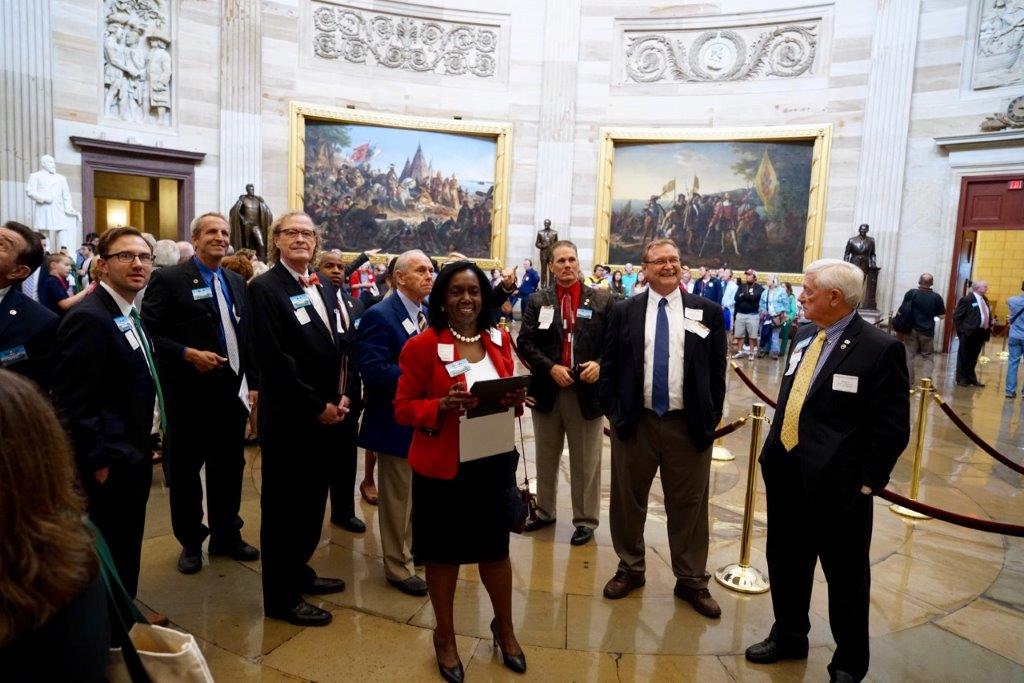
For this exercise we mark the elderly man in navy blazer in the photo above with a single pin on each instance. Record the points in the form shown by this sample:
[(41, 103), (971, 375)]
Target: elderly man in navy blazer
[(383, 331), (27, 328)]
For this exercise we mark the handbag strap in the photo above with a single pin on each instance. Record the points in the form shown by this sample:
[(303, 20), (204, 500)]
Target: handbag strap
[(1012, 321), (522, 448)]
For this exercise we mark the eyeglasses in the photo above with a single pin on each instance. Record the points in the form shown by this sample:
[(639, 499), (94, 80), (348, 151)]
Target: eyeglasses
[(130, 256), (673, 261), (292, 233)]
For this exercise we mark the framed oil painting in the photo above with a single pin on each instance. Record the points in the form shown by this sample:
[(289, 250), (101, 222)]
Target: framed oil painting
[(736, 198), (396, 183)]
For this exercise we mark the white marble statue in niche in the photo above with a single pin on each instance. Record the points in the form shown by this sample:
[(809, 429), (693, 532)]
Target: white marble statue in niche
[(1000, 55), (137, 64), (53, 213)]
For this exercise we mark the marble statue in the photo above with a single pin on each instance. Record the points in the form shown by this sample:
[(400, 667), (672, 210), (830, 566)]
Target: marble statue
[(54, 213), (545, 238), (860, 251), (250, 219)]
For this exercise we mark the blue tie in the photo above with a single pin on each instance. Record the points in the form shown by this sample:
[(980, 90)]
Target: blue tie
[(659, 390)]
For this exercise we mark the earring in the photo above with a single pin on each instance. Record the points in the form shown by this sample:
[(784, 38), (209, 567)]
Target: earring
[(442, 308)]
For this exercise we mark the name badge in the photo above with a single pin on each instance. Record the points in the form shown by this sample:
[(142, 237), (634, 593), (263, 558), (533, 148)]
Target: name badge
[(459, 367), (794, 360), (547, 316), (201, 293), (299, 300), (693, 313), (409, 326), (804, 344), (12, 355), (132, 341), (122, 323), (584, 313), (698, 328), (446, 352), (355, 323), (302, 315), (845, 383), (974, 305), (496, 337)]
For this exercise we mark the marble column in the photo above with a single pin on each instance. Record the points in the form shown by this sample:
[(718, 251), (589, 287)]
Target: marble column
[(557, 116), (879, 200), (26, 100), (240, 87)]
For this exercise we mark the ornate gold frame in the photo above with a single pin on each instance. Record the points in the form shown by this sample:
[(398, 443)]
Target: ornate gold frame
[(500, 132), (821, 157)]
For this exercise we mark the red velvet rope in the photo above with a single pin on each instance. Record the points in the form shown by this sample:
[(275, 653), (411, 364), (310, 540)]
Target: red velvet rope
[(719, 433), (962, 426), (952, 517), (753, 387)]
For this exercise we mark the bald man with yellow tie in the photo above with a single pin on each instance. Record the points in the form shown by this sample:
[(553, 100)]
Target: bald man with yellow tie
[(842, 421)]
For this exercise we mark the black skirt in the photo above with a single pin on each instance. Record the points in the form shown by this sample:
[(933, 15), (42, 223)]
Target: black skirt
[(464, 520)]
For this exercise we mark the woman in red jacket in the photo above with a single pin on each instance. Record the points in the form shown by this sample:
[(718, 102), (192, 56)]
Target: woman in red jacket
[(460, 512)]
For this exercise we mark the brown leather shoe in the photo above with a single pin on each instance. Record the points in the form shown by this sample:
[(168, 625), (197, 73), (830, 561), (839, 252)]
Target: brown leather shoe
[(701, 600), (623, 583)]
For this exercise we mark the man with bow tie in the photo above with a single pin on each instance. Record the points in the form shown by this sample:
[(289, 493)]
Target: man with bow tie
[(304, 397)]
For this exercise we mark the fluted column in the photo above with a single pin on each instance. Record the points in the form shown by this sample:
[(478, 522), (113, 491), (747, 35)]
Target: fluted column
[(557, 115), (240, 86), (26, 100), (884, 141)]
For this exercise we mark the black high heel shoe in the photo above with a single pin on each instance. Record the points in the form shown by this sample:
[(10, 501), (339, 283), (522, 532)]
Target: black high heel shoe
[(453, 674), (517, 662)]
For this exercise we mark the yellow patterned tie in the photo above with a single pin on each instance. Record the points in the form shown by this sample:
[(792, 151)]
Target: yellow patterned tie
[(798, 392)]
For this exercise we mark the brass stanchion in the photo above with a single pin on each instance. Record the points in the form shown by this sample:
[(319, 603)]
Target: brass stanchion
[(741, 577), (924, 391)]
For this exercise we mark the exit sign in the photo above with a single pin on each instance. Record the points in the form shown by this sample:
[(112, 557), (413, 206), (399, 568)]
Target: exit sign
[(1016, 184)]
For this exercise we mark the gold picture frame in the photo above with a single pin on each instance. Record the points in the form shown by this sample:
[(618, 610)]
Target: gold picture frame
[(820, 135), (500, 133)]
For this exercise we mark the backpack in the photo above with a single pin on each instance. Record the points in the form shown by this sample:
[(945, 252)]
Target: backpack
[(903, 320)]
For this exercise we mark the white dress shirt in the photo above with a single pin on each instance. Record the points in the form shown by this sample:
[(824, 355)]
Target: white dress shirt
[(676, 335), (314, 296), (30, 285)]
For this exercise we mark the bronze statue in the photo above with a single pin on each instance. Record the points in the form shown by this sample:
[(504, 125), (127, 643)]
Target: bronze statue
[(250, 219), (860, 249), (545, 238)]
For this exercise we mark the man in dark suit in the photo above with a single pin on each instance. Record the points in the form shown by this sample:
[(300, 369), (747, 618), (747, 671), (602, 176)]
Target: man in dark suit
[(561, 338), (973, 319), (343, 467), (383, 331), (842, 421), (193, 310), (107, 392), (662, 388), (27, 328), (293, 344)]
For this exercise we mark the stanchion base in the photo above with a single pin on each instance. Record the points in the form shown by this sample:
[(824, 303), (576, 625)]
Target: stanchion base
[(722, 454), (907, 512), (742, 579)]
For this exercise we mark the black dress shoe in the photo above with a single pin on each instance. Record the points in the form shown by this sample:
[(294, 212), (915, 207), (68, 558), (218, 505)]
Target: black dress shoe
[(842, 677), (323, 585), (979, 385), (353, 524), (236, 550), (304, 614), (581, 536), (769, 651), (190, 561), (963, 384), (536, 524), (413, 585), (517, 662), (452, 674)]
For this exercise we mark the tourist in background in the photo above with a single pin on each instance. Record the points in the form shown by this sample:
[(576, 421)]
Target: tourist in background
[(926, 306), (1016, 341)]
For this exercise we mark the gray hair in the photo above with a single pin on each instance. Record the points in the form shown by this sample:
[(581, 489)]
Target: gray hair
[(832, 273), (197, 223), (165, 253), (402, 262), (978, 284)]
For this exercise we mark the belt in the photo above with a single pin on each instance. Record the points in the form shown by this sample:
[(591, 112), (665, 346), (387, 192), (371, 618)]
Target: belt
[(671, 413)]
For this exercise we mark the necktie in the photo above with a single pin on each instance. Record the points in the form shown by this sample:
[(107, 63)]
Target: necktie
[(659, 389), (227, 324), (313, 279), (567, 325), (421, 321), (144, 341), (343, 315), (798, 392), (983, 306)]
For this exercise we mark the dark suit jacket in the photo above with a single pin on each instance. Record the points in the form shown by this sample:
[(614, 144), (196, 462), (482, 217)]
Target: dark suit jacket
[(378, 344), (542, 349), (176, 320), (298, 365), (848, 439), (24, 322), (102, 388), (704, 366), (967, 316)]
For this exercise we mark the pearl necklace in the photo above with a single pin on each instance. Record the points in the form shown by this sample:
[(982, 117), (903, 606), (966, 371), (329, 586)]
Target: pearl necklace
[(465, 340)]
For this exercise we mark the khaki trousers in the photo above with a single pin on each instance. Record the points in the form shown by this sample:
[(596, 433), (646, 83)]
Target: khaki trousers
[(550, 430), (394, 508), (661, 443), (917, 343)]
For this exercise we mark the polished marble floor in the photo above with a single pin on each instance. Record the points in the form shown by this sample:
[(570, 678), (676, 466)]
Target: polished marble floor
[(947, 603)]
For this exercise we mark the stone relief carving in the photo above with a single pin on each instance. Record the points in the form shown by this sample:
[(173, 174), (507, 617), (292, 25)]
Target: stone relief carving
[(137, 66), (1012, 118), (741, 53), (402, 42), (999, 58)]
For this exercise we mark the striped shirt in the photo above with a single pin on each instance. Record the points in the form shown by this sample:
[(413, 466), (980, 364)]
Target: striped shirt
[(832, 334)]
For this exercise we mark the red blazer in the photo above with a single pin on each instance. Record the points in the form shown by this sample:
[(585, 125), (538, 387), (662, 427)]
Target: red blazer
[(424, 381)]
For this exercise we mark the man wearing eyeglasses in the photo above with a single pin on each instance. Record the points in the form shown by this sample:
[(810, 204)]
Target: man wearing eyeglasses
[(107, 391), (663, 387), (194, 311), (293, 331)]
